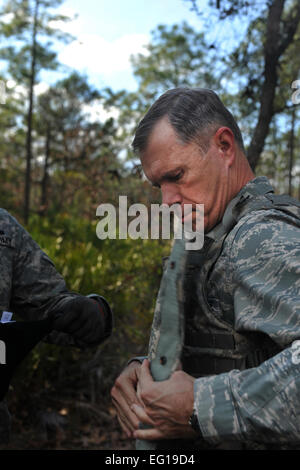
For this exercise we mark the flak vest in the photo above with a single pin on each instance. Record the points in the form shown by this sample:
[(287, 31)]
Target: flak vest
[(211, 345)]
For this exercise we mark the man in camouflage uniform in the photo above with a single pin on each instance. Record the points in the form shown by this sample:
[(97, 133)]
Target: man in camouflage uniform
[(239, 383), (31, 287)]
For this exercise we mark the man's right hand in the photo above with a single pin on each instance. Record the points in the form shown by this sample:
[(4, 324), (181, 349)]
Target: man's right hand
[(124, 395)]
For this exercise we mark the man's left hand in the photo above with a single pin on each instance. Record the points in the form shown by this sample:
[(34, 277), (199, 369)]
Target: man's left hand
[(168, 406)]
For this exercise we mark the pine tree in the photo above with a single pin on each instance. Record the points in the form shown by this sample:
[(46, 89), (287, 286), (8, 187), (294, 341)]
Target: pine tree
[(27, 30)]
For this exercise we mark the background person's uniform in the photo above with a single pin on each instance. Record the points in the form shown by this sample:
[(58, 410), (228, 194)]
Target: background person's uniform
[(31, 287), (241, 334)]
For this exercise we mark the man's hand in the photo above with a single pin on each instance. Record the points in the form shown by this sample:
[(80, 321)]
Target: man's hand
[(124, 396), (83, 318), (166, 406)]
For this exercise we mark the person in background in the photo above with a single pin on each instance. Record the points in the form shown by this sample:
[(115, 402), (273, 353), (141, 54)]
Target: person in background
[(31, 287)]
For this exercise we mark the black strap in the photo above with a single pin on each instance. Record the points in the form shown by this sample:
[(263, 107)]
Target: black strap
[(217, 339)]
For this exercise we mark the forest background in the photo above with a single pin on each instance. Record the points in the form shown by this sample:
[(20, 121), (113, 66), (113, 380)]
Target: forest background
[(65, 149)]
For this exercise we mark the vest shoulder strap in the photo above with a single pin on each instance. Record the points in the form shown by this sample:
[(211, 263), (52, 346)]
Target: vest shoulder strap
[(258, 199), (238, 208)]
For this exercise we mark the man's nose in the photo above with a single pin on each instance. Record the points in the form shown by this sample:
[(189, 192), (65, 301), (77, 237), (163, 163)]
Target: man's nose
[(170, 195)]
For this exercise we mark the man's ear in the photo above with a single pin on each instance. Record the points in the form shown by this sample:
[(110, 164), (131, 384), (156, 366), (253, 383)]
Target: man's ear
[(225, 142)]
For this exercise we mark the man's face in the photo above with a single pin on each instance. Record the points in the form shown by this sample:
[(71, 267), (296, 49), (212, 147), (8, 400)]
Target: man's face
[(184, 175)]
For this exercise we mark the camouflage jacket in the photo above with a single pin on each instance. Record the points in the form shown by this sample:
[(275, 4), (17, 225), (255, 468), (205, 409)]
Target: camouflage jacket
[(30, 286), (254, 286)]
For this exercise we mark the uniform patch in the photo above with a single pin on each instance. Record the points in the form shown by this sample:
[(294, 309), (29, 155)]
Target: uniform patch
[(5, 241)]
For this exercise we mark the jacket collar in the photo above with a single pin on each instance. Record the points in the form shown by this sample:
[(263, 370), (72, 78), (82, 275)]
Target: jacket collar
[(255, 187)]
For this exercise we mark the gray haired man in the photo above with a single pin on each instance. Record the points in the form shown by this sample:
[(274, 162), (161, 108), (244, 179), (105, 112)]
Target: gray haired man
[(238, 385)]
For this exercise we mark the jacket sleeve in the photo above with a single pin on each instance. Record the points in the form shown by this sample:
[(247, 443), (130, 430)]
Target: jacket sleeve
[(35, 287), (261, 403)]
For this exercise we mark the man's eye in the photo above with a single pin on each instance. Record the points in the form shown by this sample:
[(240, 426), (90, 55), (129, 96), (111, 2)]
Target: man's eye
[(177, 176)]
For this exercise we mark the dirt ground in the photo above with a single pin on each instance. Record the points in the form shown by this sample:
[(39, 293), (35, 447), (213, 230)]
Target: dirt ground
[(70, 426)]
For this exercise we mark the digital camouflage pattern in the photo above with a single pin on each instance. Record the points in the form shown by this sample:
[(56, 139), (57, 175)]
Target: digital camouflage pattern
[(30, 287), (254, 288), (168, 345), (259, 292)]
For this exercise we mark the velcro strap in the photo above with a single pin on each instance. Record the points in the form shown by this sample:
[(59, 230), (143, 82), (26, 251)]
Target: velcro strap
[(208, 365), (209, 340)]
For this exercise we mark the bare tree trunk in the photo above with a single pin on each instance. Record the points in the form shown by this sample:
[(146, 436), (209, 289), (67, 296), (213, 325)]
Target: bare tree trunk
[(291, 148), (279, 36), (29, 116), (270, 81), (45, 179)]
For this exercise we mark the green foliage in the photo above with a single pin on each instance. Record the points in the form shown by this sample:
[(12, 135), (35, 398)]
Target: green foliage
[(176, 56), (127, 272), (18, 31)]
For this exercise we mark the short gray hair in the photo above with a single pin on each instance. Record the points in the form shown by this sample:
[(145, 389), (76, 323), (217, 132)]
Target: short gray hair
[(194, 113)]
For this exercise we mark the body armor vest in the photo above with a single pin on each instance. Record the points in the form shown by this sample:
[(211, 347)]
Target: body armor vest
[(212, 345)]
